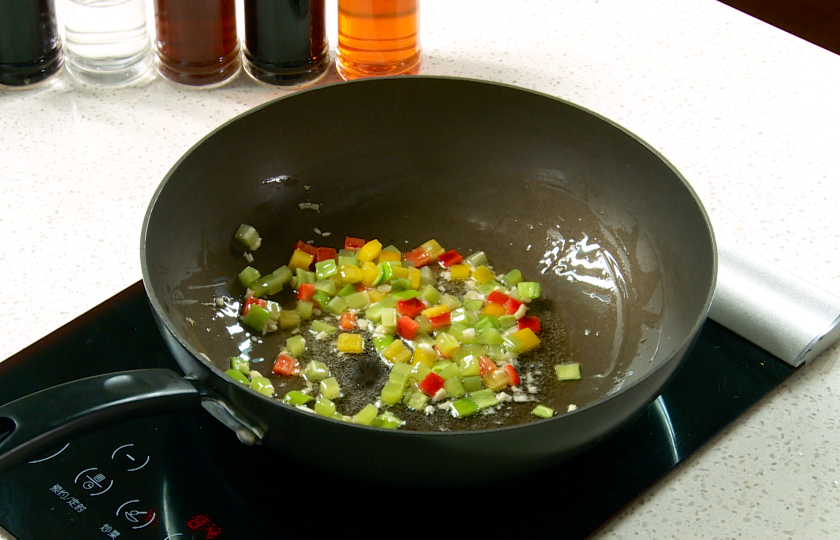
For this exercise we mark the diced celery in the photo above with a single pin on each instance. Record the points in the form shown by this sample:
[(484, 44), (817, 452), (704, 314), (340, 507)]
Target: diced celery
[(262, 385), (248, 275), (315, 371), (430, 294), (450, 301), (344, 260), (507, 321), (542, 411), (473, 305), (469, 366), (457, 333), (366, 416), (284, 274), (389, 317), (387, 420), (446, 343), (568, 372), (380, 342), (473, 349), (304, 276), (374, 312), (449, 371), (487, 288), (472, 383), (454, 387), (458, 315), (393, 249), (296, 345), (241, 364), (477, 259), (494, 352), (326, 269), (388, 302), (392, 393), (248, 237), (324, 407), (528, 290), (419, 370), (321, 326), (337, 305), (238, 376), (289, 318), (327, 286), (346, 291), (491, 336), (304, 309), (400, 374), (425, 325), (511, 343), (427, 277), (256, 317), (417, 401), (273, 309), (484, 398), (403, 285), (329, 388), (295, 397), (357, 300), (512, 278), (464, 407)]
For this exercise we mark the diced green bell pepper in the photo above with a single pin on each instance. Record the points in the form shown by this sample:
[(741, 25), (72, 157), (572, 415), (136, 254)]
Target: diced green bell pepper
[(295, 397)]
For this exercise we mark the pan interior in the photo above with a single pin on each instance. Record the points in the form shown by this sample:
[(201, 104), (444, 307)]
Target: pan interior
[(618, 241)]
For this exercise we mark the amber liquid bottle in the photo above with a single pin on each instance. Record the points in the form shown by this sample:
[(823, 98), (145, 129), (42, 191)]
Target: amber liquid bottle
[(30, 45), (285, 41), (378, 38), (196, 41)]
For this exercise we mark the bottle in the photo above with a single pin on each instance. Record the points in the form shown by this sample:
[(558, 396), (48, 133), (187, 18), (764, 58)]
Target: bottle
[(30, 46), (106, 41), (285, 41), (196, 42), (377, 38)]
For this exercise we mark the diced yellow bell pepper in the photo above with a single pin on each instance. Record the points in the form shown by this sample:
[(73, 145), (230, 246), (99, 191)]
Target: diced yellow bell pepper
[(350, 343), (459, 271), (434, 311), (396, 352), (482, 275), (399, 272), (376, 295), (388, 255), (493, 309), (424, 356), (369, 251), (432, 248), (370, 272), (414, 277), (350, 274), (300, 259), (496, 380), (528, 338)]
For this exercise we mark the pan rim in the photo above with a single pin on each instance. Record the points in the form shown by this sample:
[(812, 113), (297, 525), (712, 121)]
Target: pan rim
[(696, 325)]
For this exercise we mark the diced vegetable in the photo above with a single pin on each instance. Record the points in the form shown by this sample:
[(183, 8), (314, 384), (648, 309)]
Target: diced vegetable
[(366, 416), (350, 343), (238, 376), (285, 365), (248, 237), (329, 388), (294, 397), (542, 411), (464, 407), (315, 371), (568, 372)]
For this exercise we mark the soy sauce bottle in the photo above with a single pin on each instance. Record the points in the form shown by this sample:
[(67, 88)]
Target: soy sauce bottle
[(285, 41), (30, 46)]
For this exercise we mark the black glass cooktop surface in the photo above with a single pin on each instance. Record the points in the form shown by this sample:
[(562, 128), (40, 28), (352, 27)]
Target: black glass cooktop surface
[(186, 476)]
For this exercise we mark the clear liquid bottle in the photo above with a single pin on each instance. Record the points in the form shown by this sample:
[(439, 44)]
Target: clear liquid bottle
[(378, 38), (107, 41), (196, 42), (30, 45), (285, 41)]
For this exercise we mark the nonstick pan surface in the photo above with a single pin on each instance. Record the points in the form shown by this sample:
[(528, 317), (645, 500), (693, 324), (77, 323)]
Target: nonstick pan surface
[(617, 238)]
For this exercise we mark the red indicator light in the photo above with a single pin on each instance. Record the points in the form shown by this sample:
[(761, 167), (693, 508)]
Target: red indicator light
[(202, 522)]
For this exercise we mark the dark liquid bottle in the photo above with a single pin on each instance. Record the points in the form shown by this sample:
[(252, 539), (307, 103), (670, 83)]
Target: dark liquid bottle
[(30, 47), (196, 41), (285, 41)]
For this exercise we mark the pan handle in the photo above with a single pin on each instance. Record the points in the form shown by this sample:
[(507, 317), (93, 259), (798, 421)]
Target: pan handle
[(36, 422)]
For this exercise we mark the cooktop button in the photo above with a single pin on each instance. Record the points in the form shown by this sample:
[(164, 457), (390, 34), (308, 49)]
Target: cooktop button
[(132, 460), (136, 516), (96, 483)]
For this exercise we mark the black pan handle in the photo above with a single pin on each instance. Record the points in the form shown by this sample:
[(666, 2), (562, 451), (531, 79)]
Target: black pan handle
[(40, 420)]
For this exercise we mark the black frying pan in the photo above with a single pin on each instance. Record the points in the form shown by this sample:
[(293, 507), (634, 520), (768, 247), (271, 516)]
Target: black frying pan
[(618, 240)]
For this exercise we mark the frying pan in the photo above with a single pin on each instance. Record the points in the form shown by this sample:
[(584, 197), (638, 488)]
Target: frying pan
[(619, 241)]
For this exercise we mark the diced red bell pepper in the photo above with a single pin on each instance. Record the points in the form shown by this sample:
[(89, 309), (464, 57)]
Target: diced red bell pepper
[(444, 319), (431, 384), (449, 258), (411, 307), (407, 327), (497, 297), (325, 254), (512, 374), (353, 244), (304, 247), (347, 321), (246, 307), (285, 365), (485, 365), (360, 287), (530, 321), (418, 257), (305, 291), (512, 306)]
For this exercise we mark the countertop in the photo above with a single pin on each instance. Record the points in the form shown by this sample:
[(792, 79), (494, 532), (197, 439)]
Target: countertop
[(748, 113)]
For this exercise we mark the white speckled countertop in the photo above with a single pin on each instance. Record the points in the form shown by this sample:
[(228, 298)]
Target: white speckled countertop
[(749, 114)]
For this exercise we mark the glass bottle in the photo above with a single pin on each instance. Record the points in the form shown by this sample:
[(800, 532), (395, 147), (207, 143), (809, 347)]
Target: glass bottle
[(30, 46), (285, 41)]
